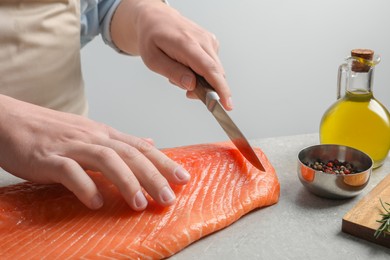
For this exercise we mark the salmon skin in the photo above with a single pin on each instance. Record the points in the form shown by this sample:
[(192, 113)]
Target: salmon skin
[(48, 222)]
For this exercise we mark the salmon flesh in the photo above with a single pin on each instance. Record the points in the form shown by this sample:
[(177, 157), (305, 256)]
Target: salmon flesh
[(48, 222)]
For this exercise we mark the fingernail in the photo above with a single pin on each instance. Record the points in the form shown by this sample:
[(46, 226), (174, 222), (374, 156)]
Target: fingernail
[(230, 102), (149, 140), (167, 195), (140, 200), (182, 174), (186, 81), (97, 201)]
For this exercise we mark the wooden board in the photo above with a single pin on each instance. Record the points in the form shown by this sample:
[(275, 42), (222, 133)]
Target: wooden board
[(361, 220)]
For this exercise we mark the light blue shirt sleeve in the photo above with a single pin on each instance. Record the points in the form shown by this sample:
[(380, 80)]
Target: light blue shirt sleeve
[(95, 19)]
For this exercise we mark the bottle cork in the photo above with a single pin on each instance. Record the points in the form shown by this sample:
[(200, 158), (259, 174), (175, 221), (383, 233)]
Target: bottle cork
[(366, 54)]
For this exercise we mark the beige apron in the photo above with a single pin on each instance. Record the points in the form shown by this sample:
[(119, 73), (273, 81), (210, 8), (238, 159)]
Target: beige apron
[(40, 53)]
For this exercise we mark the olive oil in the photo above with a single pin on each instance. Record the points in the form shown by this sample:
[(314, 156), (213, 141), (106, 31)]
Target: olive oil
[(357, 118), (360, 121)]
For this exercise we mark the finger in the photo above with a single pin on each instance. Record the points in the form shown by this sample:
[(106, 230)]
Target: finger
[(191, 95), (199, 60), (202, 56), (177, 73), (211, 47), (147, 173), (211, 69), (170, 169), (75, 179), (112, 166), (149, 140)]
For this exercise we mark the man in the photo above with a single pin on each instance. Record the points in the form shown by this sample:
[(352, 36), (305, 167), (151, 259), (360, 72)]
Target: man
[(42, 139)]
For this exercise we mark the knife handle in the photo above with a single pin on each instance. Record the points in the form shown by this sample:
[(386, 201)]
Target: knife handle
[(205, 92)]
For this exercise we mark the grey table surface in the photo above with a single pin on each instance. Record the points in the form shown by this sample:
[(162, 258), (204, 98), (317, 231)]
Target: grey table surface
[(300, 226)]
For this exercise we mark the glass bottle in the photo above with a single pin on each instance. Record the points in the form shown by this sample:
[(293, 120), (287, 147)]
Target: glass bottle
[(357, 118)]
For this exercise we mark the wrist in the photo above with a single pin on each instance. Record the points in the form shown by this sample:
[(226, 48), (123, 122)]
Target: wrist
[(124, 22)]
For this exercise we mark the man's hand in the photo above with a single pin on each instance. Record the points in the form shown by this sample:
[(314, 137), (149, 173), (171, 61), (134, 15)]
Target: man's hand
[(46, 146), (170, 45)]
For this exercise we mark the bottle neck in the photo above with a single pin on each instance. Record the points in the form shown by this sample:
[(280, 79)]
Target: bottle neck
[(360, 82)]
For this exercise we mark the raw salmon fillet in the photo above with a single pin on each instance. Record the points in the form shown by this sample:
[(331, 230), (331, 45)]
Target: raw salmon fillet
[(48, 222)]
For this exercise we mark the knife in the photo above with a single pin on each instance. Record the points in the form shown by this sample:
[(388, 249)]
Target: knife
[(210, 98)]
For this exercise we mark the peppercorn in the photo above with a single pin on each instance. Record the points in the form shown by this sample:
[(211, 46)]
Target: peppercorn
[(333, 167)]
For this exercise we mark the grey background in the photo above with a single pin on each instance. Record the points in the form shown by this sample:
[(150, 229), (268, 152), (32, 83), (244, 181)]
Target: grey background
[(280, 56)]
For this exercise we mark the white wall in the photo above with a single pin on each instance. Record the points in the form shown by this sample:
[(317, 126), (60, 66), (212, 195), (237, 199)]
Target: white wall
[(280, 57)]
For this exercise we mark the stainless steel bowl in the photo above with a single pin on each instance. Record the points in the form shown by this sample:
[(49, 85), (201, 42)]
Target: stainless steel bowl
[(334, 186)]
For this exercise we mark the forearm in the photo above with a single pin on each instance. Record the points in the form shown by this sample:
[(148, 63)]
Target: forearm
[(124, 32)]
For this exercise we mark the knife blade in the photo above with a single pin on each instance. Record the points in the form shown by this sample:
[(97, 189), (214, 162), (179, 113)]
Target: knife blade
[(210, 98)]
